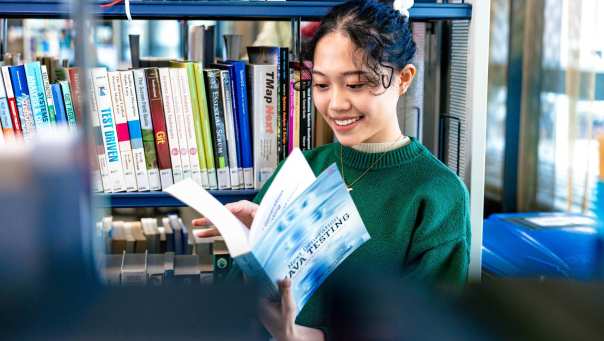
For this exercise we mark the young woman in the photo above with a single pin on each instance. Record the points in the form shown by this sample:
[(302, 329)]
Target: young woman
[(413, 206)]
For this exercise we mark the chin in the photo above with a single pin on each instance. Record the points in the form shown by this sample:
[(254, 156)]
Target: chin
[(349, 141)]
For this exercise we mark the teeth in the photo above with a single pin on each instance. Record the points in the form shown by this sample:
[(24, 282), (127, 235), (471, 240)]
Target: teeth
[(346, 122)]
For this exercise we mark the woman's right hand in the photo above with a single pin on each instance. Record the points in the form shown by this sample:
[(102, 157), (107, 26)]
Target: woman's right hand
[(244, 210)]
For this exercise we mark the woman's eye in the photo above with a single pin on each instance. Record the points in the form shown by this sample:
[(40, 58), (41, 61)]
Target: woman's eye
[(356, 86), (320, 85)]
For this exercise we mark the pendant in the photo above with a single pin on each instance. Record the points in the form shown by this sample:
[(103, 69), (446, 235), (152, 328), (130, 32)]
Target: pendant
[(349, 189)]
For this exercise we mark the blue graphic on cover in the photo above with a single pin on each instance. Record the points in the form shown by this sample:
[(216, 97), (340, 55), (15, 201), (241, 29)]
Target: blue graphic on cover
[(303, 229)]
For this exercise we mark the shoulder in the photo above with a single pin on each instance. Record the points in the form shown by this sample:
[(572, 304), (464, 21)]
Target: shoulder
[(438, 180)]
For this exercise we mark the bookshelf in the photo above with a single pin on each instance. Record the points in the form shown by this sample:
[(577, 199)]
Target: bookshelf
[(162, 199), (251, 10), (474, 65)]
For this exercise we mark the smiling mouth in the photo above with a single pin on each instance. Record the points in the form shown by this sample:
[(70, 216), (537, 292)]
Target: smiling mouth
[(346, 122)]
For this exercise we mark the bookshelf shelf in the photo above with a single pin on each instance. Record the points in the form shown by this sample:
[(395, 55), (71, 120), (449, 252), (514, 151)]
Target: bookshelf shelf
[(162, 199), (193, 9)]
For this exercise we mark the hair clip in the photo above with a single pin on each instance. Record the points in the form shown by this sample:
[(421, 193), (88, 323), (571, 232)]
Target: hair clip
[(402, 6)]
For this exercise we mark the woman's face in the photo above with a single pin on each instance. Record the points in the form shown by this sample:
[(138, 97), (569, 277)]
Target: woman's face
[(355, 110)]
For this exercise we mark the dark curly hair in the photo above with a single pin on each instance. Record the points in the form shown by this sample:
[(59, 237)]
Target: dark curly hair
[(381, 34)]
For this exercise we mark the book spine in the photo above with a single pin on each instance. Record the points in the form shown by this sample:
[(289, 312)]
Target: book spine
[(108, 128), (69, 108), (147, 129), (180, 122), (166, 93), (36, 95), (121, 124), (99, 167), (241, 90), (189, 125), (50, 104), (229, 123), (284, 100), (278, 131), (159, 127), (215, 105), (26, 117), (8, 131), (292, 113), (12, 103), (233, 99), (74, 85), (57, 97), (265, 122), (197, 130), (206, 130), (310, 121), (134, 127), (297, 96)]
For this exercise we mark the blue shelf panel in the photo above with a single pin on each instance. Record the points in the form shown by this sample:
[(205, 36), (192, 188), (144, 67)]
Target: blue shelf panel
[(162, 199), (193, 9)]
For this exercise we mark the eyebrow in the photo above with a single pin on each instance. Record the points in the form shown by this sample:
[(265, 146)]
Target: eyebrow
[(347, 73)]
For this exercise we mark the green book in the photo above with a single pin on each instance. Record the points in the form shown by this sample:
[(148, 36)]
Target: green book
[(205, 126), (69, 109)]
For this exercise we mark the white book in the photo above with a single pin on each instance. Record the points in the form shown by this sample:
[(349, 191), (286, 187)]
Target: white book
[(108, 128), (264, 114), (180, 123), (144, 111), (189, 123), (166, 96), (134, 127), (229, 125), (49, 100), (123, 134), (99, 147)]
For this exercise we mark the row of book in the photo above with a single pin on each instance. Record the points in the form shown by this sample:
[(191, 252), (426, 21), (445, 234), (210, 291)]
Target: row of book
[(225, 126), (146, 239), (165, 268)]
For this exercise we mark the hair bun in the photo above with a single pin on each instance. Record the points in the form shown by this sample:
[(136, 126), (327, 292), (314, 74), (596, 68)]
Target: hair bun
[(402, 6)]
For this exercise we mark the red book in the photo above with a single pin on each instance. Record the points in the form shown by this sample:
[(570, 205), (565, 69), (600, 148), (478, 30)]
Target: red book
[(158, 119), (74, 84), (12, 103)]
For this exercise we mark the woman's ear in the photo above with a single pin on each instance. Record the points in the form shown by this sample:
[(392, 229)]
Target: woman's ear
[(406, 75)]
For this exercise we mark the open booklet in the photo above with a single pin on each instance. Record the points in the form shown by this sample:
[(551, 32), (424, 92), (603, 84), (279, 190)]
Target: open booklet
[(303, 229)]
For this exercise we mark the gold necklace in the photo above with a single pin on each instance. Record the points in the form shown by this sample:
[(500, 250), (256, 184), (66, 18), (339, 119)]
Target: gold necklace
[(349, 187)]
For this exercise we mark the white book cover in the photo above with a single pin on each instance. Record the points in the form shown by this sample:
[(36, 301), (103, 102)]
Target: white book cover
[(108, 128), (50, 103), (264, 114), (183, 146), (229, 124), (134, 127), (123, 134), (98, 137), (144, 111), (5, 115), (166, 96), (189, 125), (302, 229)]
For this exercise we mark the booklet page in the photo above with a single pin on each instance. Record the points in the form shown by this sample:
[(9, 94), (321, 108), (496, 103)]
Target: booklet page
[(234, 232), (312, 236)]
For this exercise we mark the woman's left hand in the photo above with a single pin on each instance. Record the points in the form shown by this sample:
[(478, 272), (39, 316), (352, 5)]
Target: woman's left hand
[(279, 318)]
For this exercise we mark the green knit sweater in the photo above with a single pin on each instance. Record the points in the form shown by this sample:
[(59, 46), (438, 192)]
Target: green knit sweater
[(415, 209)]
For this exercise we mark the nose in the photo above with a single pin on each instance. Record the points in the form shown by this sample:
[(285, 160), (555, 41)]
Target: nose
[(338, 101)]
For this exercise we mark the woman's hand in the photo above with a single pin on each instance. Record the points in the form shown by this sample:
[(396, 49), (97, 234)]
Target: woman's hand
[(279, 318), (244, 210)]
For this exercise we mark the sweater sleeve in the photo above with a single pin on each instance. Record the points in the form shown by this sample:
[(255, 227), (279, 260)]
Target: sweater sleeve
[(439, 251)]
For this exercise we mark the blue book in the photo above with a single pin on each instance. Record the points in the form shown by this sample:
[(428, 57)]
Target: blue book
[(37, 95), (242, 121), (57, 97), (302, 230), (26, 116)]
